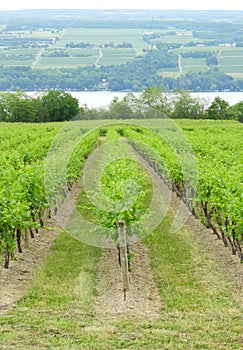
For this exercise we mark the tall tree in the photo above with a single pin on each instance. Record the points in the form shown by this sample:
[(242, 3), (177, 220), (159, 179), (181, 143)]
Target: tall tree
[(59, 106), (219, 109), (187, 107)]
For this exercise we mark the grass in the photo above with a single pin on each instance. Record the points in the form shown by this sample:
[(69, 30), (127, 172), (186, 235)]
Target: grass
[(200, 308)]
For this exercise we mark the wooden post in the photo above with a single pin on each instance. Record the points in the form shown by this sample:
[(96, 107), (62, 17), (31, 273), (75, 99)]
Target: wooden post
[(6, 257), (123, 256), (26, 239)]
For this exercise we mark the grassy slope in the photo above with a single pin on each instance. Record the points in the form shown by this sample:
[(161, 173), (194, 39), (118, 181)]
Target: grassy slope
[(201, 309)]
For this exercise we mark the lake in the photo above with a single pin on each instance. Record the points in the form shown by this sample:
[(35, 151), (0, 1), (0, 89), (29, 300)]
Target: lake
[(95, 99)]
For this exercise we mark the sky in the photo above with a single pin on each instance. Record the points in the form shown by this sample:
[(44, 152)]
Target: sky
[(122, 4)]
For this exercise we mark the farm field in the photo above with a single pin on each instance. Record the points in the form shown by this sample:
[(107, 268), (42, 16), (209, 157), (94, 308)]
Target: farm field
[(69, 62), (193, 64), (55, 40), (190, 295), (103, 36), (43, 49), (230, 60), (119, 56)]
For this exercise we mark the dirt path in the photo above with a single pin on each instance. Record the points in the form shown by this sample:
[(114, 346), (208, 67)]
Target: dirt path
[(37, 58), (142, 298), (16, 280), (180, 64), (99, 57)]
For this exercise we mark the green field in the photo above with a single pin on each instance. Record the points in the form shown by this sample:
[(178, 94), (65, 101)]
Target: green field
[(236, 52), (75, 60), (120, 56), (231, 64), (66, 62), (193, 64), (103, 36), (17, 57), (76, 56), (40, 34), (181, 36), (20, 48), (198, 285)]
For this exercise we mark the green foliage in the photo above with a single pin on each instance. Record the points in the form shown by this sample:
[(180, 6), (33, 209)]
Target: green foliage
[(59, 106), (102, 132), (154, 102), (217, 197), (216, 144), (120, 110), (124, 193), (52, 106), (219, 109), (212, 61), (186, 107), (23, 197), (18, 106), (237, 111)]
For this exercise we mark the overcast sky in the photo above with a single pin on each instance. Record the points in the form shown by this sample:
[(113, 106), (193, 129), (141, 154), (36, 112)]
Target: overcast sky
[(122, 4)]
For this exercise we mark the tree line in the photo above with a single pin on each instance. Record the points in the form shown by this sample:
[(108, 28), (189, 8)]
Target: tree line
[(49, 107), (136, 75), (55, 105)]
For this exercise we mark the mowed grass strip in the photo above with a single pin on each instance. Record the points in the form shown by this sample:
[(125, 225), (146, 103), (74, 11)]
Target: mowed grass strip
[(201, 309)]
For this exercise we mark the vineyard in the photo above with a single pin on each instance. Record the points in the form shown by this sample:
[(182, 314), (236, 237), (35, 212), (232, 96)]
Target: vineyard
[(212, 189), (122, 166), (215, 193)]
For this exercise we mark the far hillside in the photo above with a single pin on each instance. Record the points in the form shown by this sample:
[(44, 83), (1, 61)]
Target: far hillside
[(121, 50)]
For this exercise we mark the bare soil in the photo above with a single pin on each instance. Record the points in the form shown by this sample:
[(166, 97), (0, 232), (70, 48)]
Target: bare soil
[(16, 280), (142, 298)]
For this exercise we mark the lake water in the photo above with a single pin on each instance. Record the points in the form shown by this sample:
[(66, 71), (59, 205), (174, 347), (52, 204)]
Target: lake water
[(95, 99)]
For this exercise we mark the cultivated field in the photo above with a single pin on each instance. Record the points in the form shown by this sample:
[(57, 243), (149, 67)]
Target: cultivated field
[(185, 285), (51, 49)]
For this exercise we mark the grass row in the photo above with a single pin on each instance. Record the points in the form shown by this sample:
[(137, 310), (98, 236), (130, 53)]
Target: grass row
[(201, 308)]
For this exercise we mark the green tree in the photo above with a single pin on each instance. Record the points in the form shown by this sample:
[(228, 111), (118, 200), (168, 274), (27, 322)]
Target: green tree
[(188, 107), (120, 109), (211, 61), (237, 111), (154, 97), (18, 107), (59, 106), (219, 109)]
